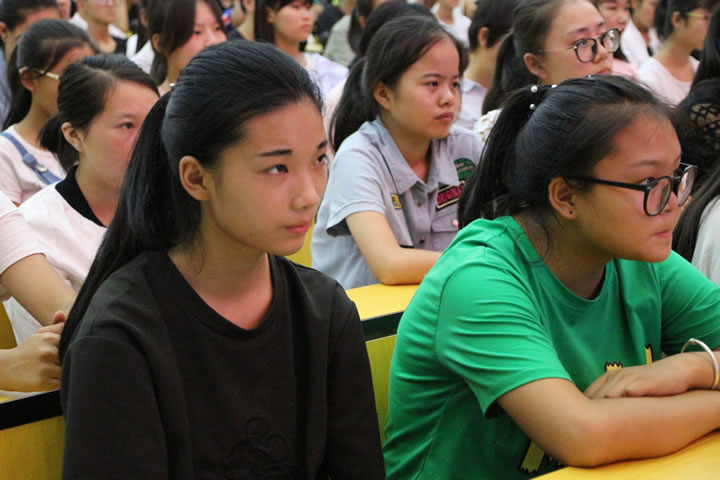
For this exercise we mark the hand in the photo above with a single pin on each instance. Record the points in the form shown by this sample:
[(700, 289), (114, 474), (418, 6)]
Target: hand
[(669, 376), (33, 365)]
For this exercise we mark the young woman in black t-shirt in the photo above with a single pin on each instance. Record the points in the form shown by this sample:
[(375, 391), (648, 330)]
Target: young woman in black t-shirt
[(195, 349)]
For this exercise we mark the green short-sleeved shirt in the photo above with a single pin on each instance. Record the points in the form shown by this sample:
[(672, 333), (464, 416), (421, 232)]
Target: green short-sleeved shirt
[(490, 316)]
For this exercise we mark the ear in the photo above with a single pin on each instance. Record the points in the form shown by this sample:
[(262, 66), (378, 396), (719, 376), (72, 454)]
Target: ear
[(270, 15), (383, 95), (535, 65), (73, 136), (482, 37), (155, 39), (26, 79), (4, 33), (677, 19), (194, 178), (561, 197)]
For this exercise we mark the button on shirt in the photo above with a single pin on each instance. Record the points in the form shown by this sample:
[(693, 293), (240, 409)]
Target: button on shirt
[(370, 174)]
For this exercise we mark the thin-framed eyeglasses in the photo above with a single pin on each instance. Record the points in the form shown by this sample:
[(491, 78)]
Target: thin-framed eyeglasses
[(52, 75), (657, 190), (586, 49), (703, 16)]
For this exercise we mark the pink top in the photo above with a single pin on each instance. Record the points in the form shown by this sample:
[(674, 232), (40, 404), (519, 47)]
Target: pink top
[(621, 67)]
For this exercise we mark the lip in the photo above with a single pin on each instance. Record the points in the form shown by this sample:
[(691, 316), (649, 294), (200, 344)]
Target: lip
[(665, 234), (446, 117), (605, 71), (299, 229)]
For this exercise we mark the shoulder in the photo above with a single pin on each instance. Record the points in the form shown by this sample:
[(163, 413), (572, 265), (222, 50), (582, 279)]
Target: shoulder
[(325, 65), (463, 139), (366, 142)]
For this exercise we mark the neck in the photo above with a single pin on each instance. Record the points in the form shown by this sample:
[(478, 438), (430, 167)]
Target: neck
[(172, 75), (673, 53), (100, 33), (29, 127), (566, 255), (413, 148), (233, 280), (290, 47), (247, 28), (640, 26), (103, 200), (480, 68), (444, 13)]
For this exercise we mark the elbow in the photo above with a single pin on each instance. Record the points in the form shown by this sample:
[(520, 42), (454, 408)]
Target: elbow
[(387, 271), (587, 446)]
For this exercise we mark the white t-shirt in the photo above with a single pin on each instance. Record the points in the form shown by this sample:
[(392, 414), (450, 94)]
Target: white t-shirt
[(324, 72), (82, 23), (663, 83), (459, 27), (634, 46), (473, 95), (16, 239), (18, 181), (144, 58), (69, 241), (707, 249)]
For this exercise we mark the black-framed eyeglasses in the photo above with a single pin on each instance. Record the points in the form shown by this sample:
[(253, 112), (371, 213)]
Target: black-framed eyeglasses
[(586, 49), (657, 190)]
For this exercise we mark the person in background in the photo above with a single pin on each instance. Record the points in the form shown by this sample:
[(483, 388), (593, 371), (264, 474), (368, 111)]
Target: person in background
[(617, 15), (551, 41), (400, 163), (682, 25), (179, 30), (97, 17), (243, 363), (490, 25), (452, 18), (337, 45), (243, 17), (26, 275), (101, 104), (287, 24), (64, 6), (551, 331), (640, 40), (42, 55), (16, 16)]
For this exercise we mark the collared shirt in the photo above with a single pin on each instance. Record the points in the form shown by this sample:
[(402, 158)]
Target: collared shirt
[(473, 95), (370, 174)]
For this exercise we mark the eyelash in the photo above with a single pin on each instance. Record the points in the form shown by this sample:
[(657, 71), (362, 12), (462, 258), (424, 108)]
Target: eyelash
[(275, 169)]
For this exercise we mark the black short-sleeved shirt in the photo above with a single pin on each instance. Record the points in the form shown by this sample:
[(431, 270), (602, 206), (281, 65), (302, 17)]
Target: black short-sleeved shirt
[(156, 384)]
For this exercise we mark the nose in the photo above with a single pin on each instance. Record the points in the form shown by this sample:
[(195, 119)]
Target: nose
[(449, 94), (309, 189)]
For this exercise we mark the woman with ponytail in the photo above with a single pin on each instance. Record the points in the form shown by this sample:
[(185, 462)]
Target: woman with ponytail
[(243, 363), (43, 53), (682, 26), (102, 101), (539, 339), (551, 41), (391, 203), (179, 30)]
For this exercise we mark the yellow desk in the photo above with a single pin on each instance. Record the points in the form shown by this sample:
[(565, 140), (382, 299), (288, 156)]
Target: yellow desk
[(698, 461), (378, 300)]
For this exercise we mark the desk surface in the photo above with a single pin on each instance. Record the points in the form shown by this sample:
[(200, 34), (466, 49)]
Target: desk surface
[(378, 300), (699, 461)]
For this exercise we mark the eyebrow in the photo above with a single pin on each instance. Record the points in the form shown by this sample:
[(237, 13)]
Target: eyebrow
[(281, 152), (652, 162), (438, 75), (584, 29)]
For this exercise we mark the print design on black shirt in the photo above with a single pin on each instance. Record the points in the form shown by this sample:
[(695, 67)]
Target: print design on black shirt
[(259, 454)]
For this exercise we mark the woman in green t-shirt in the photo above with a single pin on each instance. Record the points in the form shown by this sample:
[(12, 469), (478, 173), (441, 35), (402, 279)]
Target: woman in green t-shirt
[(537, 339)]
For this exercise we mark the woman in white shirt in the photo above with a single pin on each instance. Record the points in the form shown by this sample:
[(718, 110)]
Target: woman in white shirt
[(102, 102), (288, 24), (682, 25), (42, 54)]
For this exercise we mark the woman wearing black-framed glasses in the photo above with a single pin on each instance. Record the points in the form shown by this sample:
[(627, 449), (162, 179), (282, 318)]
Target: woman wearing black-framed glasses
[(543, 326)]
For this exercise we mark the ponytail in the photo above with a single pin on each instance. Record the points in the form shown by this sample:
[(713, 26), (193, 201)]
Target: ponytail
[(353, 109), (21, 98), (53, 140), (510, 74)]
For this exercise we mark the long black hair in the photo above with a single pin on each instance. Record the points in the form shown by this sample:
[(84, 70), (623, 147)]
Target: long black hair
[(15, 12), (196, 118), (83, 91), (497, 16), (709, 67), (532, 20), (571, 128), (395, 47), (40, 48), (173, 21)]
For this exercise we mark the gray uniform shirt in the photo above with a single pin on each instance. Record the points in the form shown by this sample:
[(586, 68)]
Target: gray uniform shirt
[(370, 174)]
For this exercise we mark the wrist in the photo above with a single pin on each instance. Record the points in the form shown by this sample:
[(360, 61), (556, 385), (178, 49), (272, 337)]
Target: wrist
[(706, 366)]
